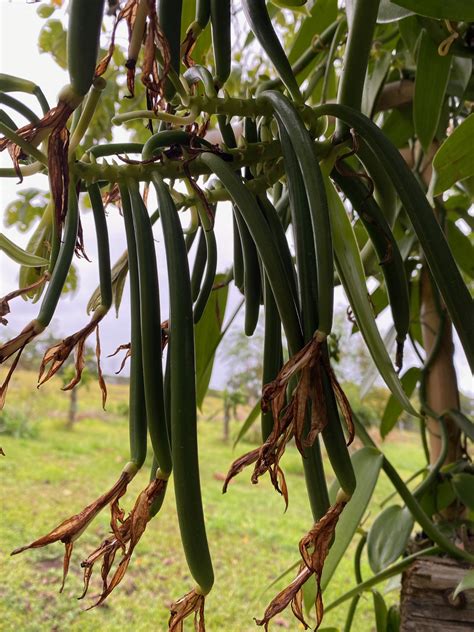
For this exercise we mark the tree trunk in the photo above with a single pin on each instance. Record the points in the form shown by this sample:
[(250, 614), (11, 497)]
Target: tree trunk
[(71, 418), (226, 422), (441, 387), (426, 600)]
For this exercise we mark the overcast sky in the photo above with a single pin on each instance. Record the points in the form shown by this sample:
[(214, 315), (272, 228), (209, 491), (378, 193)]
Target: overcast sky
[(19, 55)]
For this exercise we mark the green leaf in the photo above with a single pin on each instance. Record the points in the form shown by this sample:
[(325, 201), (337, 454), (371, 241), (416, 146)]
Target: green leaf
[(251, 418), (454, 160), (409, 29), (367, 463), (380, 611), (52, 39), (462, 10), (462, 248), (389, 12), (376, 73), (398, 125), (432, 74), (388, 536), (466, 583), (463, 484), (438, 498), (323, 13), (351, 272), (393, 408), (207, 336)]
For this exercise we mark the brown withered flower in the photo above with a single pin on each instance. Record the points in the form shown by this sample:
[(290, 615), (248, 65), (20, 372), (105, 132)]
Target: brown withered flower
[(314, 548), (191, 603), (289, 418), (5, 300), (126, 534), (72, 528), (56, 355)]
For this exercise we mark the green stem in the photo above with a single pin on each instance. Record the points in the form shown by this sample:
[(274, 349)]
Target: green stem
[(24, 170), (44, 105), (111, 149), (356, 57), (19, 107), (87, 114), (160, 116), (27, 147)]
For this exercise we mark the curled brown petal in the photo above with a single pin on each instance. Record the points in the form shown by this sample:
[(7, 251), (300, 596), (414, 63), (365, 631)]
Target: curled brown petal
[(72, 528), (191, 603), (126, 535), (100, 375), (4, 300), (314, 548), (290, 594), (56, 355)]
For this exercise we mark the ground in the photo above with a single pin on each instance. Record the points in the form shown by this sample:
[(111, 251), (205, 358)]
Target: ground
[(53, 475)]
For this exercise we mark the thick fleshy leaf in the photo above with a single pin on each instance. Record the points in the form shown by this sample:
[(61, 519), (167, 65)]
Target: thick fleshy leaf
[(453, 10), (251, 418), (351, 273), (431, 81), (207, 336), (388, 537), (367, 463), (462, 248), (454, 160), (398, 125), (393, 408), (374, 80), (466, 583), (463, 484), (438, 498)]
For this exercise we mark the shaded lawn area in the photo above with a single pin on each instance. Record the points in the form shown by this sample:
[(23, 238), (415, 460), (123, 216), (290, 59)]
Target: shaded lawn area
[(47, 478)]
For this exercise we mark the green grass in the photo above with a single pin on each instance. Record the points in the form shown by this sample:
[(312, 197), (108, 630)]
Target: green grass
[(252, 540)]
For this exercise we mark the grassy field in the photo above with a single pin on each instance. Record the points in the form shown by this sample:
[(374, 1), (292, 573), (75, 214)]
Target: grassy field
[(52, 475)]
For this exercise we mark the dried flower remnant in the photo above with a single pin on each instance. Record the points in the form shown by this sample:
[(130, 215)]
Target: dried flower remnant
[(314, 548), (126, 531), (191, 603), (289, 418), (34, 133), (72, 528), (152, 78), (291, 594), (56, 355), (5, 300), (128, 354), (128, 13)]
